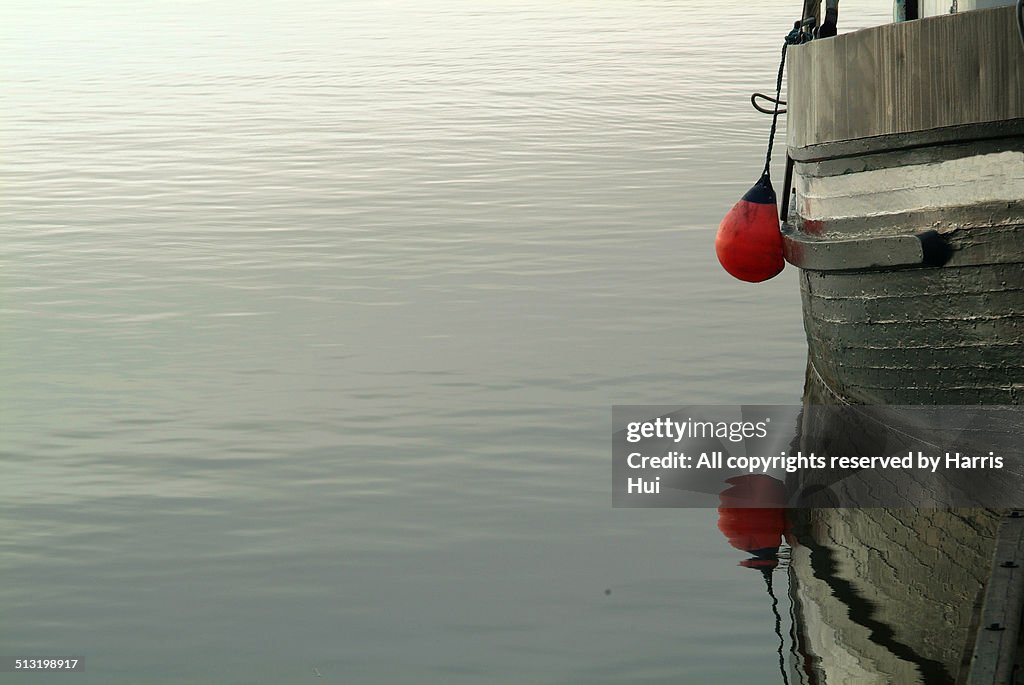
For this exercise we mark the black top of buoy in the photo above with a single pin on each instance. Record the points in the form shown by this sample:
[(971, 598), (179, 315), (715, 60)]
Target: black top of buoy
[(762, 192)]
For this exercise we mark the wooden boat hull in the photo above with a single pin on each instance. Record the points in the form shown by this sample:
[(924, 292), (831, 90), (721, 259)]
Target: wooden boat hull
[(907, 222), (907, 215), (940, 335)]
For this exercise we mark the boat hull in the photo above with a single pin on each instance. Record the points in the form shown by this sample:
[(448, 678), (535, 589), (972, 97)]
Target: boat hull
[(942, 335), (906, 220), (907, 212)]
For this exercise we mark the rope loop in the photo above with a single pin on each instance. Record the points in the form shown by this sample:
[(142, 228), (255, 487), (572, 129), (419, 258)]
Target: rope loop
[(795, 37), (761, 96)]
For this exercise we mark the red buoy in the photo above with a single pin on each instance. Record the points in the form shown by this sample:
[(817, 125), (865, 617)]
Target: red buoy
[(753, 490), (749, 244), (751, 515), (752, 530)]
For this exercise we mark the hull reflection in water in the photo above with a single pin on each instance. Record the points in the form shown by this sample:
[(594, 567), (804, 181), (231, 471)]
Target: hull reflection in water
[(877, 595), (886, 595)]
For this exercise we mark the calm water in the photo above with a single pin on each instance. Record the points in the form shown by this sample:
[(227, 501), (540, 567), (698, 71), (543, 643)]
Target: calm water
[(313, 314)]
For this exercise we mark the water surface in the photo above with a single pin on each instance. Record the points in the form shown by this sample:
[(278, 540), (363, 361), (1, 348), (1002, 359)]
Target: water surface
[(312, 318)]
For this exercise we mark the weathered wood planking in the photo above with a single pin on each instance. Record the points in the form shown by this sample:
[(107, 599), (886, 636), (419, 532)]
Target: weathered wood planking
[(914, 76), (952, 335)]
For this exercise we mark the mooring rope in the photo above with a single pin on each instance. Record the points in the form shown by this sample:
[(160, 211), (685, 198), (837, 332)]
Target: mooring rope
[(794, 37), (778, 626)]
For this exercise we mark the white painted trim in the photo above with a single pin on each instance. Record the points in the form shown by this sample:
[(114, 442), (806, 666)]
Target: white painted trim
[(994, 177)]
